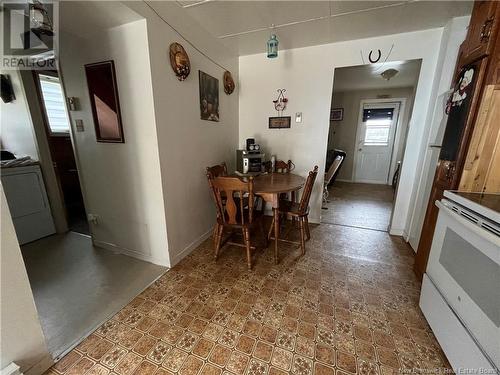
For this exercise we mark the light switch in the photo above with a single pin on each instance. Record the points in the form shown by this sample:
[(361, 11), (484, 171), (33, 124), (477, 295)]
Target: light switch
[(298, 117), (79, 125)]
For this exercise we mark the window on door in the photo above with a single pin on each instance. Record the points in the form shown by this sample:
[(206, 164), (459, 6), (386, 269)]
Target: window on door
[(378, 126), (53, 100)]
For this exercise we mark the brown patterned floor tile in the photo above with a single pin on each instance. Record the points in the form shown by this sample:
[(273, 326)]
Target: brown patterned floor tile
[(321, 369), (276, 371), (307, 330), (144, 345), (146, 368), (367, 368), (252, 328), (174, 359), (263, 351), (268, 334), (80, 367), (162, 371), (191, 366), (203, 347), (325, 354), (159, 330), (285, 340), (229, 338), (245, 344), (387, 357), (302, 365), (100, 349), (257, 367), (130, 338), (305, 347), (67, 361), (114, 356), (128, 364), (282, 358), (209, 369), (362, 332), (237, 363), (365, 350), (220, 355), (88, 343), (346, 362), (159, 352), (98, 370), (383, 339), (198, 326), (187, 341), (213, 331)]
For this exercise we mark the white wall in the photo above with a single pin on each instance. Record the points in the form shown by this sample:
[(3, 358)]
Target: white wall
[(343, 133), (21, 336), (121, 182), (16, 130), (188, 144), (307, 74), (453, 35)]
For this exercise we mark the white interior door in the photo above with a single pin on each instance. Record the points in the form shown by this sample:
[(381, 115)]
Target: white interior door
[(375, 139)]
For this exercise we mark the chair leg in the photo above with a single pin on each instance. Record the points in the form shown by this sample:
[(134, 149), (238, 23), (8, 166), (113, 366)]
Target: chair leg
[(246, 237), (308, 233), (218, 239), (270, 230), (302, 235), (214, 235)]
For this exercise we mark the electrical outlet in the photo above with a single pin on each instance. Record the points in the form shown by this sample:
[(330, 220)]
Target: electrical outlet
[(93, 218)]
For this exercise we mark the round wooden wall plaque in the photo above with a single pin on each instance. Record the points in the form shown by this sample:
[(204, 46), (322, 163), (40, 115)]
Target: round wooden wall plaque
[(228, 83), (179, 60)]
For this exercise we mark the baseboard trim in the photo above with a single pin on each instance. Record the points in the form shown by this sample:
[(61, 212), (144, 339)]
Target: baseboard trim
[(188, 249), (343, 180), (41, 366), (131, 253)]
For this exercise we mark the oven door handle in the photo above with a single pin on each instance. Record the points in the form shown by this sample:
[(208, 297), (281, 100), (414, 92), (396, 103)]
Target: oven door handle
[(490, 237)]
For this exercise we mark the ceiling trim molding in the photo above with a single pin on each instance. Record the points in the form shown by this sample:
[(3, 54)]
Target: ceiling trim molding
[(246, 32)]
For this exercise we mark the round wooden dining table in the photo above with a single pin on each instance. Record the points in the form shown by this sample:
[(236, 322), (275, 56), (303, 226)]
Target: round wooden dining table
[(269, 187)]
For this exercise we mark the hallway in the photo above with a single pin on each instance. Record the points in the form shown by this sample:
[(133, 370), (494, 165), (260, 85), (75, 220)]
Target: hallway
[(367, 206)]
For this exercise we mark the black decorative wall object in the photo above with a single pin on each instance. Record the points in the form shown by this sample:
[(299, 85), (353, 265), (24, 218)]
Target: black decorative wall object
[(7, 94)]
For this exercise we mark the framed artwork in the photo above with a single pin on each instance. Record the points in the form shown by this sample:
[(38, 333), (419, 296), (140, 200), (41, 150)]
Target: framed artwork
[(209, 97), (336, 114), (103, 93), (280, 122)]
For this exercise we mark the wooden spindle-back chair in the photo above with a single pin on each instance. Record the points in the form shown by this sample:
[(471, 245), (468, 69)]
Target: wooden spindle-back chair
[(233, 212), (299, 211)]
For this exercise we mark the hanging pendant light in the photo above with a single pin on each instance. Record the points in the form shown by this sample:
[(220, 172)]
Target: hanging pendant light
[(272, 47)]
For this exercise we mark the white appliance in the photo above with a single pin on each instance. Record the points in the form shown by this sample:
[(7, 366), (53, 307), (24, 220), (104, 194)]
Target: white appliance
[(460, 295), (28, 203)]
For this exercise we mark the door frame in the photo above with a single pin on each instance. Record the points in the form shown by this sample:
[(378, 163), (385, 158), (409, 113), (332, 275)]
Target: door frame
[(396, 138)]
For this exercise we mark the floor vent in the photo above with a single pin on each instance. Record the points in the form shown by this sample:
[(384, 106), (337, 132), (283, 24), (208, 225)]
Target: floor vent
[(11, 369)]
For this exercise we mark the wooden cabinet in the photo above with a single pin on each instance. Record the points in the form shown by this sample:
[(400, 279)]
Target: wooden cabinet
[(482, 164), (481, 28), (469, 156)]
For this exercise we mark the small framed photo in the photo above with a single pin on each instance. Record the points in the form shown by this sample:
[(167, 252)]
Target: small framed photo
[(280, 122), (336, 114)]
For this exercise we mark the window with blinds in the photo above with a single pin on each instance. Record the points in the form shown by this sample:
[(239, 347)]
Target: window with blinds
[(53, 100), (378, 126)]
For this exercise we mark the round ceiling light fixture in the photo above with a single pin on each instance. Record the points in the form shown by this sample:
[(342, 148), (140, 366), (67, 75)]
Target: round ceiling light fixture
[(389, 73)]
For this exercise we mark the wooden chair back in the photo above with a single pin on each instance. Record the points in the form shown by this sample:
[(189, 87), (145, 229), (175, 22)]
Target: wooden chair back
[(217, 170), (280, 166), (231, 210), (306, 194)]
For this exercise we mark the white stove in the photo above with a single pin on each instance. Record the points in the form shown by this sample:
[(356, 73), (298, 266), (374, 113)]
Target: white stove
[(460, 295)]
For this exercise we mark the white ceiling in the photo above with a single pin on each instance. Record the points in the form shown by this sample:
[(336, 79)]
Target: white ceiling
[(85, 18), (245, 26), (367, 77)]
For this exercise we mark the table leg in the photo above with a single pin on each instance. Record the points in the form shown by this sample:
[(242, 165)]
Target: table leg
[(276, 233)]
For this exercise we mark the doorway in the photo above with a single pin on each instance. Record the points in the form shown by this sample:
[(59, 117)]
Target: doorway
[(375, 137), (371, 112), (57, 128)]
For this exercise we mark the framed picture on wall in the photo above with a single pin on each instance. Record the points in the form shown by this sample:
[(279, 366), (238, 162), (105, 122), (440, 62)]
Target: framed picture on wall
[(336, 114), (209, 97), (103, 93), (283, 122)]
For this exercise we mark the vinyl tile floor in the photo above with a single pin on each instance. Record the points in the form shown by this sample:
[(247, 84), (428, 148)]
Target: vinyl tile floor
[(349, 306), (359, 205)]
